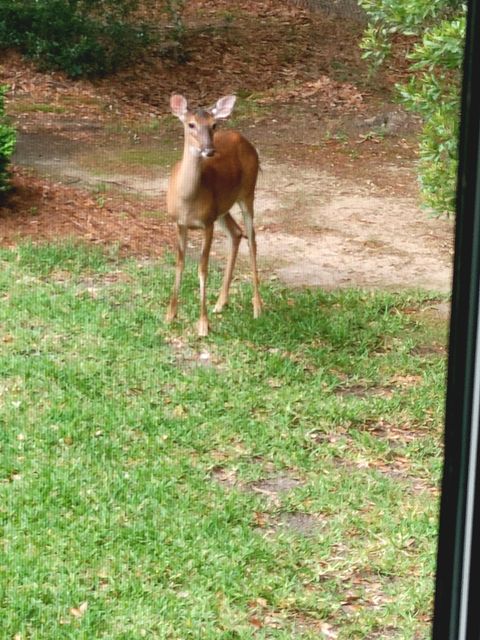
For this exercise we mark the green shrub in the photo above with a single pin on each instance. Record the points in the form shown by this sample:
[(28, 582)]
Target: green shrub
[(437, 32), (81, 37), (7, 144)]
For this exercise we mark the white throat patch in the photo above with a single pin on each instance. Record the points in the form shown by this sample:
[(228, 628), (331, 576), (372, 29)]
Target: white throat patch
[(195, 152)]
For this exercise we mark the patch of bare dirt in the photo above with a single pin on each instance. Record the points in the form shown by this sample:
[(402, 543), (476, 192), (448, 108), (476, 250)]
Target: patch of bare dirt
[(275, 485), (305, 524), (189, 358)]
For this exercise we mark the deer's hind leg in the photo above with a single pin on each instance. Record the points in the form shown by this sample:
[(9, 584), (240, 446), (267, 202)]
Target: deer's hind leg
[(234, 235), (246, 205)]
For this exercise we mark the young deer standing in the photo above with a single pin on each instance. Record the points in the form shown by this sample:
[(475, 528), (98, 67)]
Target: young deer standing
[(217, 169)]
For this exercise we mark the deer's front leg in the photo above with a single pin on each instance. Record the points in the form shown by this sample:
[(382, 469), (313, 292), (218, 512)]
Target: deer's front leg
[(202, 276), (180, 265)]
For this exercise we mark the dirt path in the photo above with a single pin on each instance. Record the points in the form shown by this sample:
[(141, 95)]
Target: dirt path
[(333, 232), (315, 227)]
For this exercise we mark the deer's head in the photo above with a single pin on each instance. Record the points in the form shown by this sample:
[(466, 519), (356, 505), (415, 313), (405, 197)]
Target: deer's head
[(199, 125)]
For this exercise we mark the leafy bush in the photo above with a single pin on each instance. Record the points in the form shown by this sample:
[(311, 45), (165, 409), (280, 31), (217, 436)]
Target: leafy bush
[(81, 37), (7, 144), (437, 32)]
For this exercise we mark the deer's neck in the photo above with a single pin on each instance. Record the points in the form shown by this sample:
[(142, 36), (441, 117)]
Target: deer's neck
[(189, 173)]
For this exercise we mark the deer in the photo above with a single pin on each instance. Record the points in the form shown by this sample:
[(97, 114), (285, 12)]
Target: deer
[(217, 170)]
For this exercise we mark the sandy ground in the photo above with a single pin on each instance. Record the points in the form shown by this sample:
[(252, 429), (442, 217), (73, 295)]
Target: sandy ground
[(332, 232)]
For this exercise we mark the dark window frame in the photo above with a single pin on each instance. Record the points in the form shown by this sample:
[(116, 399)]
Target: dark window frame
[(457, 611)]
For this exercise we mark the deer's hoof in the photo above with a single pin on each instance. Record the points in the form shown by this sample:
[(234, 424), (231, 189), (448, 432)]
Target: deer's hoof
[(171, 313), (202, 328), (257, 308), (218, 308)]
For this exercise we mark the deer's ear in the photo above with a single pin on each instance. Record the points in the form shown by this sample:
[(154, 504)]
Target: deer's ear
[(178, 105), (224, 107)]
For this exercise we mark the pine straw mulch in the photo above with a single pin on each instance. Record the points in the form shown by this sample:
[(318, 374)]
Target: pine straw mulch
[(235, 46), (40, 210)]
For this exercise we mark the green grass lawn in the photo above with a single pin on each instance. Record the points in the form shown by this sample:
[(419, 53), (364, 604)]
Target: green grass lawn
[(276, 480)]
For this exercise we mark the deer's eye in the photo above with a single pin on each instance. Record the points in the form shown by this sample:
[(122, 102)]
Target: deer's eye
[(214, 126), (191, 125)]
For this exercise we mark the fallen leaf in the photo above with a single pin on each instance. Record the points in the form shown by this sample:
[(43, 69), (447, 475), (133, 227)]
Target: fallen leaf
[(261, 521), (274, 622), (327, 630), (179, 411), (274, 384), (256, 622), (261, 602), (225, 476), (406, 381), (79, 612)]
